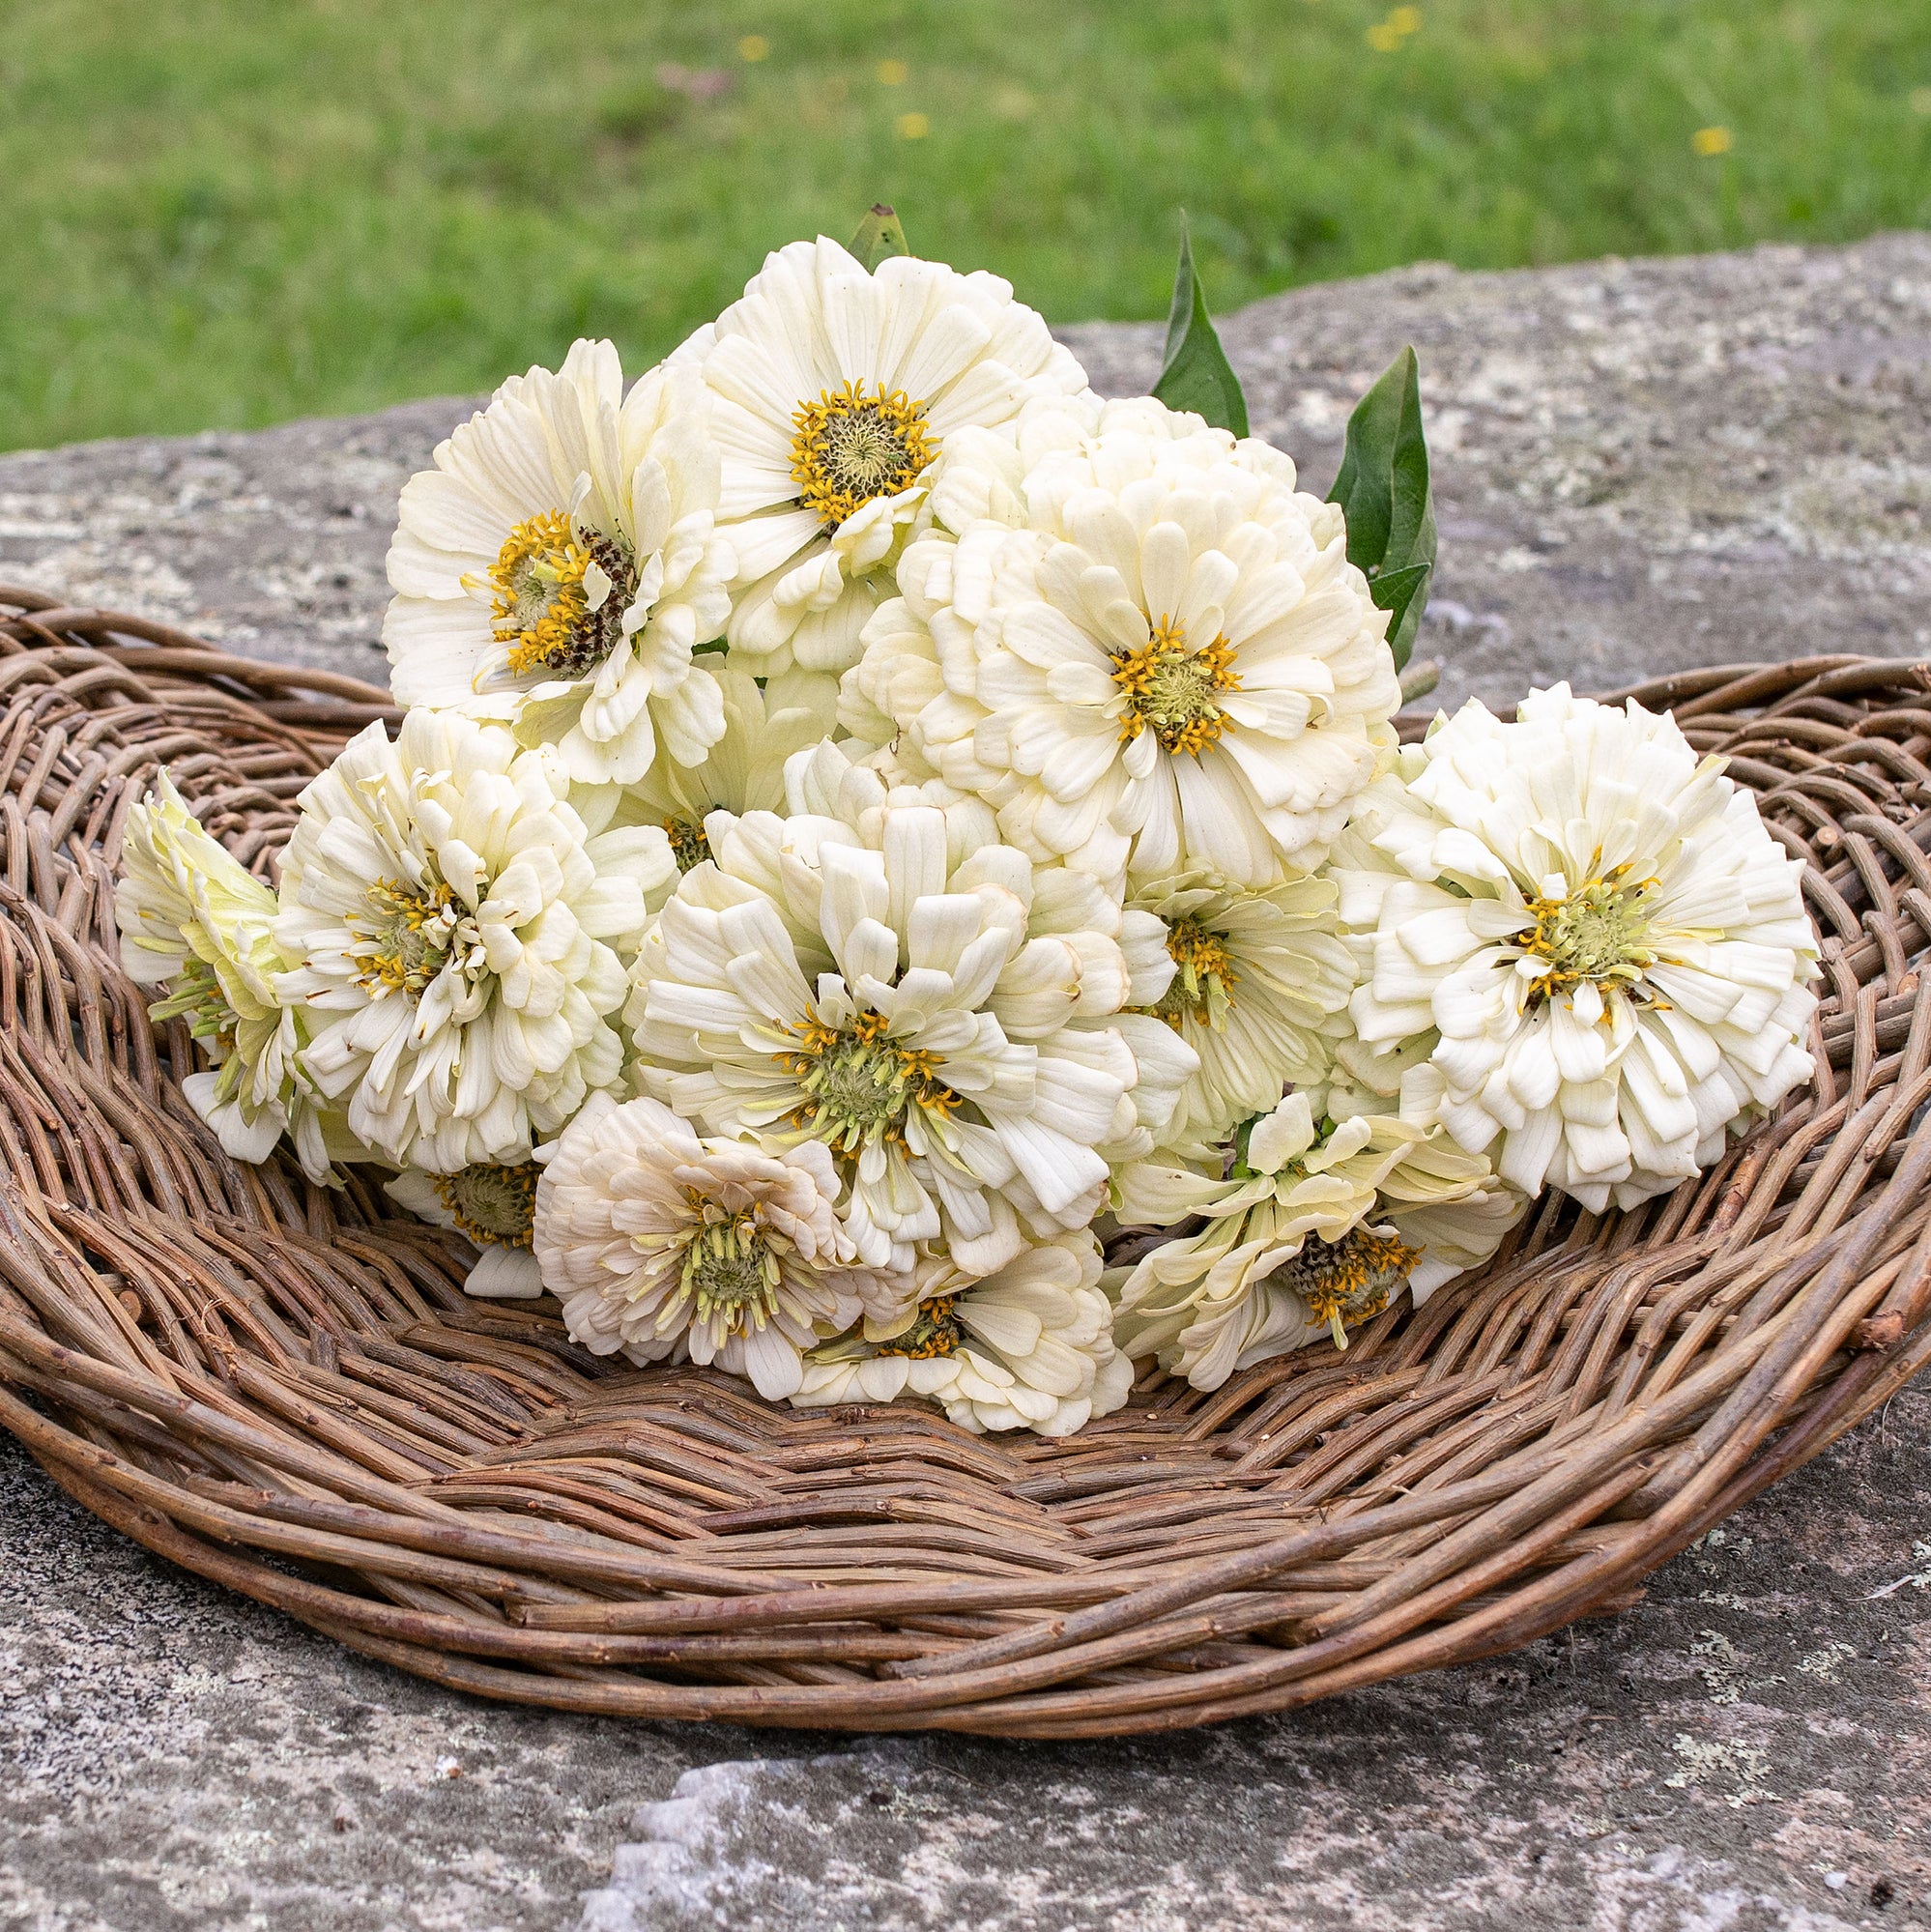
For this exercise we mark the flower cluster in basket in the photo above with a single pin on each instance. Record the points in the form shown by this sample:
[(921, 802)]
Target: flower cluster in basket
[(874, 820)]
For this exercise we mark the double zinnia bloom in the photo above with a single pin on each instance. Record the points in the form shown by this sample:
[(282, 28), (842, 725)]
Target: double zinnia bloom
[(873, 818)]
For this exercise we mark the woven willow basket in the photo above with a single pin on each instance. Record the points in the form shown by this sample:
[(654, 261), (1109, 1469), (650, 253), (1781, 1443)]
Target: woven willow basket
[(283, 1389)]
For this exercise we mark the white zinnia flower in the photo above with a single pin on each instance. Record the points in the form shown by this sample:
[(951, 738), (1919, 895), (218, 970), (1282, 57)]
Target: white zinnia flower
[(559, 563), (490, 1204), (1151, 655), (1029, 1347), (1316, 1225), (891, 992), (1259, 990), (668, 1245), (846, 782), (196, 921), (743, 771), (835, 390), (451, 920), (1584, 945)]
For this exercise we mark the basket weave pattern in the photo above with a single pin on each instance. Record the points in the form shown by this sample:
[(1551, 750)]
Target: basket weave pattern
[(284, 1389)]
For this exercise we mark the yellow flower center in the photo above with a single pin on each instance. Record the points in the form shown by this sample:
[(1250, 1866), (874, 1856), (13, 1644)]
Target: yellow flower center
[(1173, 691), (850, 448), (858, 1084), (1346, 1283), (552, 621), (728, 1270), (1597, 932), (935, 1333), (1203, 977), (690, 844), (495, 1206), (404, 935)]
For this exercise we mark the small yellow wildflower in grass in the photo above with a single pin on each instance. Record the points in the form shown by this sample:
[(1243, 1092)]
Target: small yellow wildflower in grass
[(754, 47), (912, 127), (892, 72), (1386, 36), (1710, 142)]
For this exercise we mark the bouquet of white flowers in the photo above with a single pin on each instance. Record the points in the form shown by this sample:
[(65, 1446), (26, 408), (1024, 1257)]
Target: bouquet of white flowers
[(872, 819)]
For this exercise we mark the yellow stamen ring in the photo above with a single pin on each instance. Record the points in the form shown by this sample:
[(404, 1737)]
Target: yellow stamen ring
[(849, 449)]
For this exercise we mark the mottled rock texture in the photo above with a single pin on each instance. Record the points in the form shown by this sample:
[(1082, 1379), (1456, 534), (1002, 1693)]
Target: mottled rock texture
[(1641, 466), (1749, 1750)]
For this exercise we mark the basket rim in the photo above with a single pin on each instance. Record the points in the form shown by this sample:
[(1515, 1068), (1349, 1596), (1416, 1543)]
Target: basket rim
[(287, 1392)]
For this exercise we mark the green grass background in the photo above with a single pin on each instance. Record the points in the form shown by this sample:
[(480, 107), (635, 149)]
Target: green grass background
[(224, 213)]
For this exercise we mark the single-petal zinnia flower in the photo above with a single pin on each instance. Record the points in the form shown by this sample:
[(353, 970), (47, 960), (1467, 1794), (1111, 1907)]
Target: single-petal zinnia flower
[(835, 390), (558, 566), (1315, 1225)]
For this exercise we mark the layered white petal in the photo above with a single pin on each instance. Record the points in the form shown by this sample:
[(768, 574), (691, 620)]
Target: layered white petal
[(1318, 1223), (1135, 638), (673, 1245), (1584, 936), (457, 949), (560, 564), (1030, 1346), (908, 358), (880, 977), (198, 927)]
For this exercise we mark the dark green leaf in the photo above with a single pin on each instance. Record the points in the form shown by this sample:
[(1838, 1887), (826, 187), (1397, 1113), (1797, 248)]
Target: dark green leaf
[(1383, 491), (1198, 374), (1394, 591), (880, 237)]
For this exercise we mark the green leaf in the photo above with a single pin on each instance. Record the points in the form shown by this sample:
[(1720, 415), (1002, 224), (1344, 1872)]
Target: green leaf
[(1197, 374), (1395, 592), (880, 237), (1383, 491)]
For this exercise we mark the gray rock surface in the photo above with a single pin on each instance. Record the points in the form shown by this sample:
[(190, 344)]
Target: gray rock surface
[(1749, 1750), (1641, 466)]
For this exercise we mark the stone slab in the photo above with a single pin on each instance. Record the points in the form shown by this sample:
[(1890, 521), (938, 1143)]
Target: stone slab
[(1749, 1750), (1641, 466)]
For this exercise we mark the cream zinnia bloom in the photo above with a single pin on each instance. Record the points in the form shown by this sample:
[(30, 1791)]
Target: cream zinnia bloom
[(743, 772), (1316, 1225), (1029, 1347), (194, 921), (492, 1206), (671, 1246), (1582, 945), (556, 567), (461, 940), (1152, 655), (834, 391), (857, 787), (890, 992), (1258, 992)]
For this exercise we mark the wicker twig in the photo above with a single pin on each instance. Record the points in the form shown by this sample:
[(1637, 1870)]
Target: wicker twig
[(285, 1390)]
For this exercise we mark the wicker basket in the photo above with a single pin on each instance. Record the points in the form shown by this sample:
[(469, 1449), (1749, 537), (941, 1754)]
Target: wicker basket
[(284, 1389)]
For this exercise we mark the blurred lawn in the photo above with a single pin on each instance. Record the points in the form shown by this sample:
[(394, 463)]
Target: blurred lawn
[(230, 212)]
